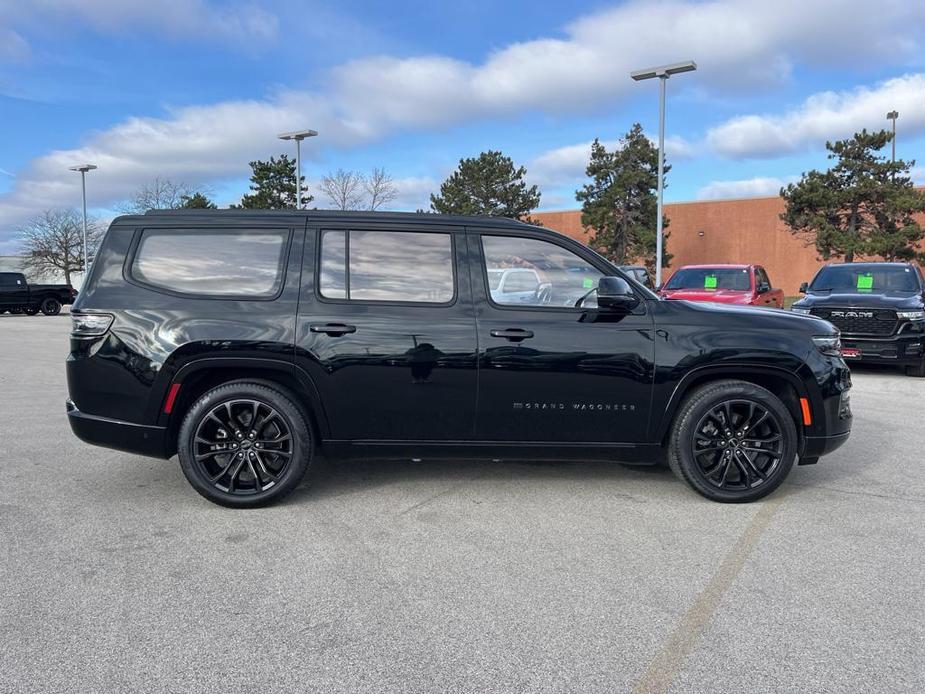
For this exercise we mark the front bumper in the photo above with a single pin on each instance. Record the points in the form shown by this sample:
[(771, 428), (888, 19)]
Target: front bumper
[(906, 348), (112, 433)]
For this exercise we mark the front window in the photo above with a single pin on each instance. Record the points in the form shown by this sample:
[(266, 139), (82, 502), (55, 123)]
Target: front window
[(866, 278), (530, 272), (735, 279)]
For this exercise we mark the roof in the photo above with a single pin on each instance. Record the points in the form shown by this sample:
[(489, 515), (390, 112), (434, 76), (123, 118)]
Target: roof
[(732, 266), (339, 215)]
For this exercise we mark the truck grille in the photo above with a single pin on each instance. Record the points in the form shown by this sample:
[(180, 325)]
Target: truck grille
[(859, 321)]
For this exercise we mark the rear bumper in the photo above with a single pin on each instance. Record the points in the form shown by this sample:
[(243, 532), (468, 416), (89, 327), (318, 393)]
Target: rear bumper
[(112, 433)]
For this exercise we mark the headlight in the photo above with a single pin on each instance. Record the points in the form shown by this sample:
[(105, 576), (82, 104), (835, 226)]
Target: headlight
[(830, 345), (90, 324), (795, 309), (911, 315)]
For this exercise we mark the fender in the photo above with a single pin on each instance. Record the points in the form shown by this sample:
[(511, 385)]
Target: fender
[(302, 385), (724, 371)]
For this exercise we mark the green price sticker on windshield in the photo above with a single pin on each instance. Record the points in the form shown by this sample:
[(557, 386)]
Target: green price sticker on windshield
[(587, 283), (709, 282), (865, 281)]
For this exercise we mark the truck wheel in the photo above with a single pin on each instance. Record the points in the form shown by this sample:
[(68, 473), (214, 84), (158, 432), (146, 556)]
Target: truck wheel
[(51, 307), (244, 444), (30, 310), (918, 370), (16, 311), (732, 441)]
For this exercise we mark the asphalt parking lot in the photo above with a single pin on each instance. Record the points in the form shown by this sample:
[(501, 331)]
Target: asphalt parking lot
[(453, 576)]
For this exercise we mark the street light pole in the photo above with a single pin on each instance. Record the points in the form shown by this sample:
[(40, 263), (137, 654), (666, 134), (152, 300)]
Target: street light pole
[(83, 169), (893, 115), (663, 72), (298, 136)]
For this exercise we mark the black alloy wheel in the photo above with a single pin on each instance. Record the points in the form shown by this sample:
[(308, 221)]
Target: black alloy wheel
[(51, 307), (737, 445), (30, 310), (244, 444), (733, 441)]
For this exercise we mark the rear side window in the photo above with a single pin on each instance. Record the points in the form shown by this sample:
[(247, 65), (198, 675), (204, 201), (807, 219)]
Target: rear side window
[(212, 263), (387, 266)]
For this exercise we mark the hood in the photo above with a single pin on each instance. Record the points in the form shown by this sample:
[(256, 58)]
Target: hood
[(723, 296), (754, 316), (895, 300)]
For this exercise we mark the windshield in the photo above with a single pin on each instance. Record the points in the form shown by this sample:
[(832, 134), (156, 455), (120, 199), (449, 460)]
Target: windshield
[(710, 278), (866, 278)]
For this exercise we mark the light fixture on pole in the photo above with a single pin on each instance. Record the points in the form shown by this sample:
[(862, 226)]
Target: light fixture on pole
[(893, 115), (663, 72), (298, 136), (83, 169)]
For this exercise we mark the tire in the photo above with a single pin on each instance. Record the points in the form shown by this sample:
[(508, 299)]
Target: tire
[(710, 461), (51, 307), (916, 371), (231, 465), (30, 310), (16, 311)]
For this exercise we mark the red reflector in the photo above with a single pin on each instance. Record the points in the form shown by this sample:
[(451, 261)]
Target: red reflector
[(171, 397), (807, 415)]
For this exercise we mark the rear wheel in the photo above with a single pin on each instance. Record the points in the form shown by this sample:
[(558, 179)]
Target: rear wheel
[(30, 310), (244, 444), (51, 307), (16, 311), (733, 441)]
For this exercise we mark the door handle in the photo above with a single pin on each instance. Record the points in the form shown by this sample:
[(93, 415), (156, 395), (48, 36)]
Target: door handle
[(332, 329), (513, 334)]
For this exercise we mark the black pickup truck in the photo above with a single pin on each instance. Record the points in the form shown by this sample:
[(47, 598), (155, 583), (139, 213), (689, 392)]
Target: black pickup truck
[(878, 307), (18, 296)]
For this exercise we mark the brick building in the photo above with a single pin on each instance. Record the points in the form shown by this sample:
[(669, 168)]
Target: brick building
[(747, 230)]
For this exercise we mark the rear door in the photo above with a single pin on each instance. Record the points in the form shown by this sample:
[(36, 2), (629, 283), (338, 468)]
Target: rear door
[(386, 331), (13, 289)]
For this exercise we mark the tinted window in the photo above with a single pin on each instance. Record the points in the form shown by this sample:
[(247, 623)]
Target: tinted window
[(736, 279), (762, 277), (387, 266), (866, 278), (212, 263), (556, 277)]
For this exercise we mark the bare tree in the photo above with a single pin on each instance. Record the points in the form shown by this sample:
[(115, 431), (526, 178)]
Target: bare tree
[(53, 241), (344, 189), (159, 194), (380, 188)]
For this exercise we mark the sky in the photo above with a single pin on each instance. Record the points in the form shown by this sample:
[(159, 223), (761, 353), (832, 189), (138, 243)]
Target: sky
[(192, 90)]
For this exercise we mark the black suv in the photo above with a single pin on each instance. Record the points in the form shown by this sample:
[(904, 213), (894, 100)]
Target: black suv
[(247, 342), (878, 307)]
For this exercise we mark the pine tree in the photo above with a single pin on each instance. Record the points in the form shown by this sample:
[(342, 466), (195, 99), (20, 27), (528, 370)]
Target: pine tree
[(273, 185), (489, 184), (863, 206), (620, 205), (196, 201)]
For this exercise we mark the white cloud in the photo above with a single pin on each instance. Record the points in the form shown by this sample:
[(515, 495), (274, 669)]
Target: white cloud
[(413, 193), (748, 188), (566, 165), (13, 47), (737, 43), (823, 116)]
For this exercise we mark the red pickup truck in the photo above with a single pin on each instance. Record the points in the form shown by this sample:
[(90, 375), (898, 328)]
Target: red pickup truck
[(725, 284)]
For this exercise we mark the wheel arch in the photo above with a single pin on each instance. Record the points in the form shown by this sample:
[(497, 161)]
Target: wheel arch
[(785, 384), (199, 376)]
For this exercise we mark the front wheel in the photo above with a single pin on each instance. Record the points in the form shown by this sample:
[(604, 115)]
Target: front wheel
[(916, 370), (733, 441), (30, 310), (244, 444), (51, 307)]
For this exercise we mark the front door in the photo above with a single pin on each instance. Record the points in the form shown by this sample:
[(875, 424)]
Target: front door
[(386, 331), (549, 371)]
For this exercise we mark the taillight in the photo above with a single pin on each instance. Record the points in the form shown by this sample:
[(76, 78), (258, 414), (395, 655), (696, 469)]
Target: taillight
[(90, 324)]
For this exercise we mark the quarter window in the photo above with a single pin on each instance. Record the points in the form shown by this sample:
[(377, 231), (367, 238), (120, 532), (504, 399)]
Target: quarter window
[(530, 272), (387, 266), (246, 263)]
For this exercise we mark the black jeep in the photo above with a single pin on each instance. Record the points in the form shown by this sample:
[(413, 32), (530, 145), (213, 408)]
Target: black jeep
[(247, 342), (878, 307)]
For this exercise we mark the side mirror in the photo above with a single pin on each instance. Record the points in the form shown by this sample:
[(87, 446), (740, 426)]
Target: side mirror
[(764, 287), (614, 294), (804, 287)]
